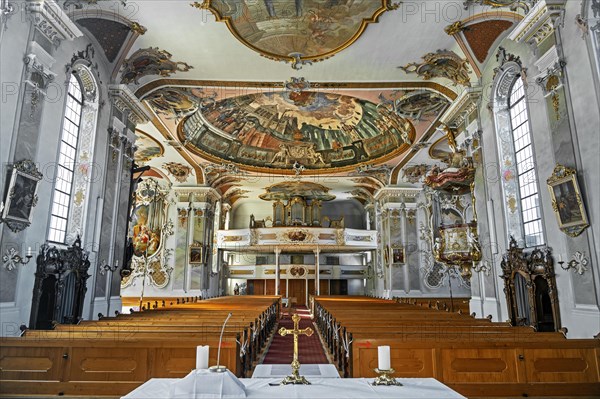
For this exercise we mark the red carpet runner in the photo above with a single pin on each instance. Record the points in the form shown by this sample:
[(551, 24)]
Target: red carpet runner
[(310, 350)]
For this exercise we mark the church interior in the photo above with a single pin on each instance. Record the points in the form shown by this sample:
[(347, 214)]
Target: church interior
[(392, 196)]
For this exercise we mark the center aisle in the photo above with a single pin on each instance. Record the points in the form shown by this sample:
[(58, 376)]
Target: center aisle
[(310, 349)]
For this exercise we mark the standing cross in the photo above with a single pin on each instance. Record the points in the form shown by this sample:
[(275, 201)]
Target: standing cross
[(295, 378)]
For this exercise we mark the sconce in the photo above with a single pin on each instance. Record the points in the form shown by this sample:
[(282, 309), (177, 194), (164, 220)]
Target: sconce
[(105, 267), (578, 263), (12, 258)]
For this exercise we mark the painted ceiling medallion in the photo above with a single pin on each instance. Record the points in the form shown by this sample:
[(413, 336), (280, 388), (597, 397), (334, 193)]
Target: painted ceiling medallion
[(441, 64), (278, 130), (297, 31)]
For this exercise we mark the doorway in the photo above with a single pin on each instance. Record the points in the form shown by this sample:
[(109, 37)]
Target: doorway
[(339, 287)]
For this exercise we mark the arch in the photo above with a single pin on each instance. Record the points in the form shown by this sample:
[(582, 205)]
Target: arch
[(522, 205), (73, 198)]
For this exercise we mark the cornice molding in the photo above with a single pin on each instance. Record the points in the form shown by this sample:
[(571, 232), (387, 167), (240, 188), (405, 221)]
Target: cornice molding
[(462, 107), (539, 23), (52, 22), (124, 99), (397, 192)]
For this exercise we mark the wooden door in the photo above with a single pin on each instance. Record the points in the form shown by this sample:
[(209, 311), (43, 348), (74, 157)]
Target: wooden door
[(298, 291), (270, 290), (324, 285), (256, 287)]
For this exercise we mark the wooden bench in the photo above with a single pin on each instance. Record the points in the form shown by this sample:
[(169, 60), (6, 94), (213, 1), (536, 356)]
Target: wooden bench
[(476, 357), (113, 356)]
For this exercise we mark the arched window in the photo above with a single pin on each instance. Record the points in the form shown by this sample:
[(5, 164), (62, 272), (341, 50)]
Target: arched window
[(515, 149), (65, 168), (526, 173), (74, 172)]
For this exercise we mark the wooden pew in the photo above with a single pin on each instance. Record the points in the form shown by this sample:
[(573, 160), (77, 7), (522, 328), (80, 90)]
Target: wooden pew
[(476, 357), (113, 356)]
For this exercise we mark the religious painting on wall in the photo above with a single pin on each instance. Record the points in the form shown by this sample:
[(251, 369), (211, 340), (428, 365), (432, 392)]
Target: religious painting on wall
[(297, 31), (21, 196), (195, 254), (148, 229), (146, 234), (566, 201), (398, 255)]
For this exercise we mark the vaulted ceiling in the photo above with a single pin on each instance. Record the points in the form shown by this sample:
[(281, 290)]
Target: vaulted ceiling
[(292, 87)]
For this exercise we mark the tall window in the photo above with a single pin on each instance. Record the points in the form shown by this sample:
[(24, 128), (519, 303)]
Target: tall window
[(523, 157), (63, 184)]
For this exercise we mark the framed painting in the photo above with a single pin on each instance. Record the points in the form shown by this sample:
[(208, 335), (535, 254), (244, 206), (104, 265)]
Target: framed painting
[(566, 201), (196, 254), (21, 195), (398, 255)]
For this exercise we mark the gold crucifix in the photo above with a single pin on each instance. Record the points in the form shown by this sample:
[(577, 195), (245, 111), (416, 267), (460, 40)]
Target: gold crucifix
[(295, 378)]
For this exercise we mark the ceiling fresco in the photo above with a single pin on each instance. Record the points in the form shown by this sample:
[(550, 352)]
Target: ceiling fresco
[(146, 148), (277, 130), (297, 31)]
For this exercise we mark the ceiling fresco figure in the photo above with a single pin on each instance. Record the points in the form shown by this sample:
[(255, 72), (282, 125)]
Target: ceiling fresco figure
[(320, 129)]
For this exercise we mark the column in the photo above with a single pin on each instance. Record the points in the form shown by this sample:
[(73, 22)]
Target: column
[(317, 264), (277, 270)]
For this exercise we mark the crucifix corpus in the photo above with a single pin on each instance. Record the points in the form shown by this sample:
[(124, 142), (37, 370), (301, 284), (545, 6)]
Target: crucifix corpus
[(295, 378)]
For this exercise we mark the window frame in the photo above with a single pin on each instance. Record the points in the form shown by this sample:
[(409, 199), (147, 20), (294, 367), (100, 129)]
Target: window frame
[(511, 106), (64, 144)]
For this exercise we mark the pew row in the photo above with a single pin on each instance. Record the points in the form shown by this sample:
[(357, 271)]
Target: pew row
[(476, 357), (113, 356)]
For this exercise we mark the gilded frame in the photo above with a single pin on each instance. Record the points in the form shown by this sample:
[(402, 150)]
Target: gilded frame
[(21, 196), (297, 60), (566, 201), (196, 255), (398, 255)]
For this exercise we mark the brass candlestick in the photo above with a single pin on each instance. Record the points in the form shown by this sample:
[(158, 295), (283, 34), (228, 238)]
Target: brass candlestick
[(385, 378)]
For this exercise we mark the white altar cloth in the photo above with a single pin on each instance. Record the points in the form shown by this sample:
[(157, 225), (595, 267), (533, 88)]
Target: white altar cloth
[(321, 388), (307, 370)]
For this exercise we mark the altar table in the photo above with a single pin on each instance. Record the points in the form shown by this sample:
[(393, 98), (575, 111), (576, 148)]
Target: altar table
[(321, 388), (307, 370)]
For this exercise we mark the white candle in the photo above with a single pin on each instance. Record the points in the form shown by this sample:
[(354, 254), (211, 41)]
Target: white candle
[(202, 357), (383, 353), (29, 252), (559, 257), (116, 263)]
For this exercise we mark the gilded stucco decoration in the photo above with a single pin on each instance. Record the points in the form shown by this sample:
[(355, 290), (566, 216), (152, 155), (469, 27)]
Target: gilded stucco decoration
[(416, 105), (299, 32), (513, 5), (414, 173), (150, 61), (441, 64), (149, 229), (178, 170)]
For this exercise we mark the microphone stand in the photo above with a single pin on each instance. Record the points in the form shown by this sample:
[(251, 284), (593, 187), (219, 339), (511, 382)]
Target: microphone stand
[(218, 368)]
